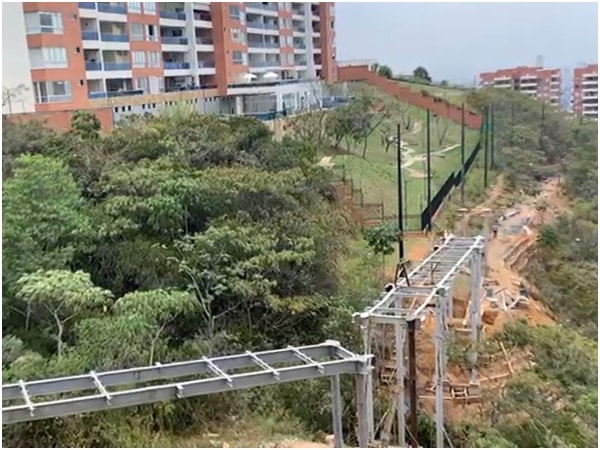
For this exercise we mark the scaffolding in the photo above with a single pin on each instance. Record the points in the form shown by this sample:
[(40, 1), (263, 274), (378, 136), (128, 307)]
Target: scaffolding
[(427, 287), (95, 392)]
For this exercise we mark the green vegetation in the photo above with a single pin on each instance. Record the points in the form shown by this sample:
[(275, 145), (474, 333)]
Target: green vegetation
[(167, 239), (555, 403)]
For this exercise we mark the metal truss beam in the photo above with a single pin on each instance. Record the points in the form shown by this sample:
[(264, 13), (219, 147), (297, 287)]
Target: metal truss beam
[(339, 361)]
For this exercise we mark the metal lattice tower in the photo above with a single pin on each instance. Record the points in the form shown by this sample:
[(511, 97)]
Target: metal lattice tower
[(431, 283)]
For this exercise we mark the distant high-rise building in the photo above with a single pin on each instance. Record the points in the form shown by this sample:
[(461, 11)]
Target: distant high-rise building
[(249, 57), (537, 82), (584, 97)]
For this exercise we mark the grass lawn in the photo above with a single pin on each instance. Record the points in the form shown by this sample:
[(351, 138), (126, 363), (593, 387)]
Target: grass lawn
[(377, 173)]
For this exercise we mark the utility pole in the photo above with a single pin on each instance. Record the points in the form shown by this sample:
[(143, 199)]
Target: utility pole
[(428, 170), (462, 155), (486, 127), (400, 199)]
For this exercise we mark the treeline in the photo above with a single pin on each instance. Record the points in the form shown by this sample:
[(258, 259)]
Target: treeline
[(169, 238)]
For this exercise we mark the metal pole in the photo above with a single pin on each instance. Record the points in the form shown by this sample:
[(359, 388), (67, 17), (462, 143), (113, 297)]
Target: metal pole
[(462, 155), (337, 411), (369, 391), (475, 312), (492, 126), (400, 199), (362, 409), (440, 365), (542, 127), (485, 152), (400, 378), (428, 171), (412, 380), (406, 203)]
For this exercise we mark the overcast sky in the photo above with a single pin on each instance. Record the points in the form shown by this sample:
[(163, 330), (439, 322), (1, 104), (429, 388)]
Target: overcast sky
[(456, 41)]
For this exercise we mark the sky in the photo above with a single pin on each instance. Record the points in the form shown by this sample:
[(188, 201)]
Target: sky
[(457, 41)]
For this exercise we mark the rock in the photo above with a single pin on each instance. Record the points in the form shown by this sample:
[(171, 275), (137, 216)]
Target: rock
[(489, 317)]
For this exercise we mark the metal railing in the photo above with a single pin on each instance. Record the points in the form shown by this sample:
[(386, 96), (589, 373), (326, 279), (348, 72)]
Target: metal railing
[(114, 9), (117, 66), (174, 40), (172, 15), (89, 35), (87, 5), (206, 64), (109, 37)]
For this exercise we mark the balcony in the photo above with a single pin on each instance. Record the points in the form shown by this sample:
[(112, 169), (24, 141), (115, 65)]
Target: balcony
[(299, 45), (204, 41), (113, 9), (95, 95), (87, 5), (89, 65), (117, 66), (173, 40), (176, 65), (255, 25), (299, 30), (89, 36), (109, 37), (259, 5), (271, 26), (174, 15), (206, 64), (263, 44)]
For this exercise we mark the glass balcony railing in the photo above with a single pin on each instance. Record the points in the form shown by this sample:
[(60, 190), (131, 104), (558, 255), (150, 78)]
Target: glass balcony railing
[(114, 9), (258, 64), (204, 41), (174, 40), (97, 94), (93, 65), (263, 44), (299, 30), (176, 65), (109, 37), (87, 5), (117, 66), (271, 26), (172, 15), (89, 35), (206, 64)]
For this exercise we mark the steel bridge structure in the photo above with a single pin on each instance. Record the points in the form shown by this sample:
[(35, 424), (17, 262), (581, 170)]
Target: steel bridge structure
[(94, 392), (427, 287)]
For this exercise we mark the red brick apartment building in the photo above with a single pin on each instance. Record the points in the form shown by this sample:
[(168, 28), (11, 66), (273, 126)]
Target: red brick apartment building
[(584, 99), (537, 82), (233, 57)]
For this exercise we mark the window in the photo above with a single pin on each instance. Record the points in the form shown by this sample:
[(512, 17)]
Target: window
[(134, 7), (238, 36), (48, 57), (149, 8), (142, 84), (151, 34), (234, 12), (137, 32), (238, 57), (43, 22), (139, 59), (52, 91), (153, 59)]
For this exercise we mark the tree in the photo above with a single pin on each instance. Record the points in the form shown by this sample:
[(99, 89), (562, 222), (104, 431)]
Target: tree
[(64, 296), (381, 240), (385, 71), (420, 73), (85, 125), (154, 310)]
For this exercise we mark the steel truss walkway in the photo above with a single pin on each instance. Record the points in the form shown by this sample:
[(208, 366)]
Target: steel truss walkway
[(429, 286), (120, 388)]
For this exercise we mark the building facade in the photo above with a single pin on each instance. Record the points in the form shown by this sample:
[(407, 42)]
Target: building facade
[(245, 57), (584, 96), (542, 84)]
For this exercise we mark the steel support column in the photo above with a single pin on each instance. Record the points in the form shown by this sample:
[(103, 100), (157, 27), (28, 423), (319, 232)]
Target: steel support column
[(400, 379), (365, 329), (475, 313), (362, 413), (337, 411), (440, 364)]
